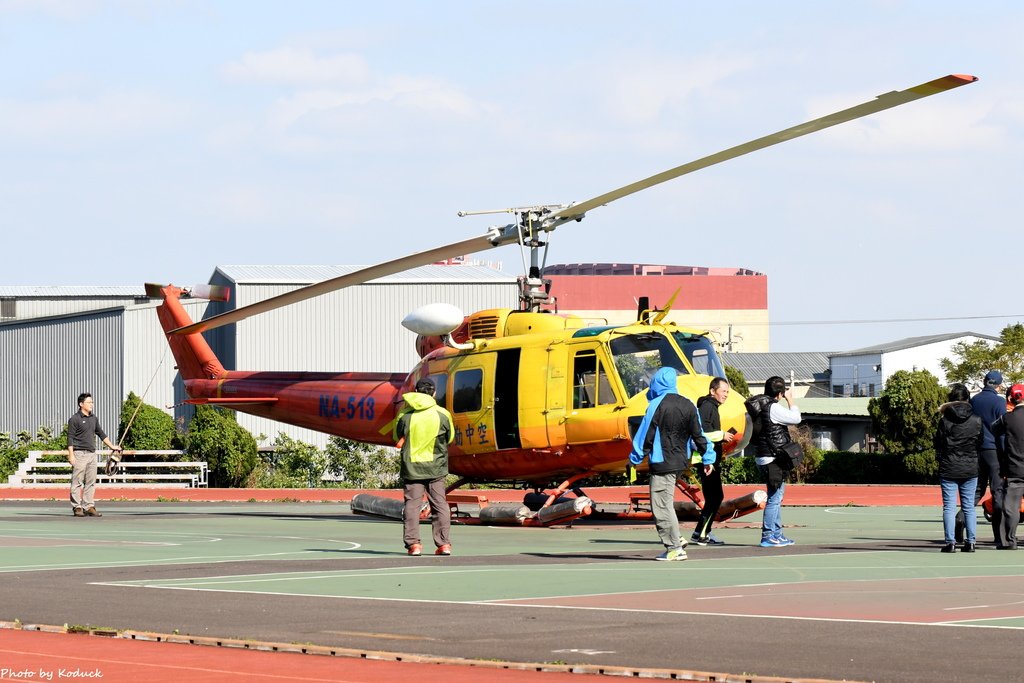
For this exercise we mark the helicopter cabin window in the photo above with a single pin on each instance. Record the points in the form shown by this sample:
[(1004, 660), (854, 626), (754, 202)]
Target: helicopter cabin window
[(440, 388), (590, 386), (699, 350), (467, 391), (639, 356)]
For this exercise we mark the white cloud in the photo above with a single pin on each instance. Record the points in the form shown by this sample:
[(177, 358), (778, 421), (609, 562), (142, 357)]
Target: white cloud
[(638, 92), (74, 120), (297, 67)]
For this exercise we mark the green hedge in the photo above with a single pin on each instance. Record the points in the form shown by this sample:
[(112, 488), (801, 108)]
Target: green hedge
[(844, 467), (838, 467)]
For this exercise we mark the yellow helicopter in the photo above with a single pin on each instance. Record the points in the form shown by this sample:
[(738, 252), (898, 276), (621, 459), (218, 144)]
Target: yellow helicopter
[(536, 397)]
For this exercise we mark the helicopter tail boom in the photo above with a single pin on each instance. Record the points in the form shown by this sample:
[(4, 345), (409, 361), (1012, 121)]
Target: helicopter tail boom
[(193, 355)]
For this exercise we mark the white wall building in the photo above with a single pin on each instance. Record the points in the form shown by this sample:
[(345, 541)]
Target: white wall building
[(864, 372)]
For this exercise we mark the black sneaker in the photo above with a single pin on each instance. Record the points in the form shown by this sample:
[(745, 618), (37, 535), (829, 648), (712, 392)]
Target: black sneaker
[(968, 548), (710, 539), (949, 548)]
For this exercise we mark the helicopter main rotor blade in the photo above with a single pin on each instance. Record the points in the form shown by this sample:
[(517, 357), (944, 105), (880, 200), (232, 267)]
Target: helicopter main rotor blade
[(492, 239), (882, 102)]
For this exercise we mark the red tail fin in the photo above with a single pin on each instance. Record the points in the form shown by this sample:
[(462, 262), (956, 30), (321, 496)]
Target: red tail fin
[(193, 355)]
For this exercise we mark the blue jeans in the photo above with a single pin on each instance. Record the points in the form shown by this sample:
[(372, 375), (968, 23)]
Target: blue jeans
[(771, 525), (950, 488)]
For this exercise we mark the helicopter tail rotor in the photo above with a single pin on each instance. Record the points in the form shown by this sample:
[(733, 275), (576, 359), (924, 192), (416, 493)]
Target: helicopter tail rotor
[(202, 291)]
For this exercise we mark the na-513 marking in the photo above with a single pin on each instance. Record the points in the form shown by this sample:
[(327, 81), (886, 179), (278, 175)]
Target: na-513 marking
[(350, 408)]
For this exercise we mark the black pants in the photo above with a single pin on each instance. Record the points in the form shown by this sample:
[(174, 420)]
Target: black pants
[(1012, 495), (711, 486), (988, 476)]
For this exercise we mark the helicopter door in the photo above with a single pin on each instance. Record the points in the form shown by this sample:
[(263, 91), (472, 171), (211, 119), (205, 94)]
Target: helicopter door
[(472, 404), (594, 414), (506, 399)]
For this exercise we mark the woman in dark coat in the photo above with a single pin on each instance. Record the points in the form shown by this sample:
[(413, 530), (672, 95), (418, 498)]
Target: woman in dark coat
[(957, 441)]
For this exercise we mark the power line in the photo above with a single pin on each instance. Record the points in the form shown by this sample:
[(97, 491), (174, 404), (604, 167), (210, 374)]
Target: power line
[(1018, 316)]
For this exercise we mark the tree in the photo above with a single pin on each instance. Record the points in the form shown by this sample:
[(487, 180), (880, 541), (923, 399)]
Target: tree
[(215, 436), (971, 361), (737, 381), (904, 418), (150, 428), (362, 465), (302, 461)]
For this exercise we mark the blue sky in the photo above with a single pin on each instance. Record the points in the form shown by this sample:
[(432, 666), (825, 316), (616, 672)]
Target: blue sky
[(152, 141)]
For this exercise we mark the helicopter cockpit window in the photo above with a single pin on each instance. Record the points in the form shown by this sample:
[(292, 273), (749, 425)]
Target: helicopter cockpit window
[(440, 388), (467, 391), (590, 385), (701, 353), (639, 356)]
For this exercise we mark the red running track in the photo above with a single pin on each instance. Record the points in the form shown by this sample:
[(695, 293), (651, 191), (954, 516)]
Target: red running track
[(796, 494)]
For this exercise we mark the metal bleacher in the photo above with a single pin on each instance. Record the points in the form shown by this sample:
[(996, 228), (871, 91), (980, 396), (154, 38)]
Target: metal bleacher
[(138, 469)]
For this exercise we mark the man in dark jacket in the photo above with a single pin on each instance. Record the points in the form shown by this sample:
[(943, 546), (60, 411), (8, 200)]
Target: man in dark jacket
[(669, 431), (772, 435), (711, 475), (958, 440), (425, 429), (990, 406), (1011, 466)]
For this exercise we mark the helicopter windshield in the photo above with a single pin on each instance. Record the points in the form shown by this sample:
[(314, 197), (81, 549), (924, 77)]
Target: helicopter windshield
[(638, 356), (701, 354)]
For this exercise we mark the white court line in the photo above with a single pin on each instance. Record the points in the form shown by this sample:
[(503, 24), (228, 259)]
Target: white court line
[(428, 572), (946, 624), (1002, 604), (887, 511), (62, 534), (169, 561), (973, 622), (78, 542)]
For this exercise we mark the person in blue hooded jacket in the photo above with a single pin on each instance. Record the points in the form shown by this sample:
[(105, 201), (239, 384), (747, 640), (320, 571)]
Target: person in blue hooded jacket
[(669, 432)]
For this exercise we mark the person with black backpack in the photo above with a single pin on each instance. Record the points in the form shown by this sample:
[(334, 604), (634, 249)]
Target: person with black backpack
[(771, 434)]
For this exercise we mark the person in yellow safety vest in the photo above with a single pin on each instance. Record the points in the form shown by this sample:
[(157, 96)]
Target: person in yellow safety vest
[(424, 430)]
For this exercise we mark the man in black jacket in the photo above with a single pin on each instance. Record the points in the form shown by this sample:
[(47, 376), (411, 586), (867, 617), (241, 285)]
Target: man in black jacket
[(711, 475), (1011, 466), (989, 405)]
